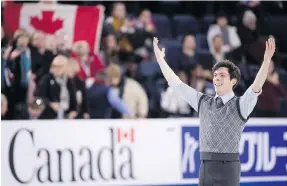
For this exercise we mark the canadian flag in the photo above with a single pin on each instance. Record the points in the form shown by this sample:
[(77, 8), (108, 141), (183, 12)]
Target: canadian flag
[(125, 135), (77, 22)]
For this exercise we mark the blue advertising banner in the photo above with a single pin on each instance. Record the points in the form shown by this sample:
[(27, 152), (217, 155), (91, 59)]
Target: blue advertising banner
[(263, 154)]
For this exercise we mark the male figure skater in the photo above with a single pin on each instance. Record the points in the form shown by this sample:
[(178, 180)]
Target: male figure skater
[(222, 117)]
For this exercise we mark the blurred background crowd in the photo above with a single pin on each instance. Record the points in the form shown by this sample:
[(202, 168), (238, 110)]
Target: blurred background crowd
[(45, 79)]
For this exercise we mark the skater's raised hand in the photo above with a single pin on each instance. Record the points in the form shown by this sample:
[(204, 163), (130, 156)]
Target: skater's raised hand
[(270, 49), (158, 53)]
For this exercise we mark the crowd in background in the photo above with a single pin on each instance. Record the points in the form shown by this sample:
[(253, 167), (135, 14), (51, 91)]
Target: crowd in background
[(41, 79)]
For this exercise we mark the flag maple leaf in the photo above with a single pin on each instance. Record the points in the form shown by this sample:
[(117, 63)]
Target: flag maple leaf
[(46, 24)]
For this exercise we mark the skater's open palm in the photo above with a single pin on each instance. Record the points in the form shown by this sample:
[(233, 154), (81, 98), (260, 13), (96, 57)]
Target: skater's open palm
[(158, 53)]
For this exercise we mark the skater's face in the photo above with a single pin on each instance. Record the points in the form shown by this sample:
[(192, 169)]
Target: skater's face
[(222, 82)]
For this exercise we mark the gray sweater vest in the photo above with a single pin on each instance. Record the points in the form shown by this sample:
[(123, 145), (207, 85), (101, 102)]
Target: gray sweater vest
[(220, 129)]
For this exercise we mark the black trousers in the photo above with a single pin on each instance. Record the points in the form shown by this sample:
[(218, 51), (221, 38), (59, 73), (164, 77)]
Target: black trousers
[(219, 173)]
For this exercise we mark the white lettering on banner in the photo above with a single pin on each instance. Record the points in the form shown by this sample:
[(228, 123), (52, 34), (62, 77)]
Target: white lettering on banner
[(265, 158), (191, 145)]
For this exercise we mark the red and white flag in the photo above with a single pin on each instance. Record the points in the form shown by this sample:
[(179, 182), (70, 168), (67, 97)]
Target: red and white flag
[(77, 22)]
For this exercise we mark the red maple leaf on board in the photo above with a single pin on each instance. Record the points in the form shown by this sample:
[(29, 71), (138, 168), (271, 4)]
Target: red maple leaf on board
[(46, 24)]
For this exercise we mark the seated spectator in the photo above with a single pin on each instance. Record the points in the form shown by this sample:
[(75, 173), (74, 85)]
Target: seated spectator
[(120, 25), (110, 52), (57, 91), (269, 101), (102, 98), (145, 22), (218, 52), (217, 45), (73, 69), (229, 34), (4, 106), (35, 109), (188, 56), (129, 90), (89, 63), (132, 67), (172, 104)]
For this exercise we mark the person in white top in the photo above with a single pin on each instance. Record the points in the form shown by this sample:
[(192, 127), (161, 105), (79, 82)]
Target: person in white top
[(229, 34)]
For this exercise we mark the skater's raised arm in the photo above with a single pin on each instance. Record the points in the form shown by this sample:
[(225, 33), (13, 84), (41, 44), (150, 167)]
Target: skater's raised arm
[(263, 72), (250, 97), (160, 54), (186, 92)]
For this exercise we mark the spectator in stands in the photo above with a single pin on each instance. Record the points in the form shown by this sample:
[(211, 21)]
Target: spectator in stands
[(129, 90), (19, 63), (41, 58), (110, 52), (35, 109), (229, 34), (89, 62), (272, 92), (145, 22), (58, 44), (132, 67), (20, 31), (121, 26), (250, 20), (188, 56), (217, 45), (173, 105), (4, 45), (218, 53), (102, 98), (145, 30), (73, 69), (58, 92), (61, 45), (4, 106), (6, 80)]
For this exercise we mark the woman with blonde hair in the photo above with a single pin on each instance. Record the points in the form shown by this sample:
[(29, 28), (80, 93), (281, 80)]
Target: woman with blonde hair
[(89, 62)]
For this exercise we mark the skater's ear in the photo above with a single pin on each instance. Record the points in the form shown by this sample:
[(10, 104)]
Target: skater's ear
[(233, 81)]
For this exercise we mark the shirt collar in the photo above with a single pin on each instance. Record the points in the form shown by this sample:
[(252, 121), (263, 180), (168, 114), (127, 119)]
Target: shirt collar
[(226, 97)]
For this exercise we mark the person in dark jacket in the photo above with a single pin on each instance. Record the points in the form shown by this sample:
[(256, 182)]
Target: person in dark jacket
[(58, 92), (102, 99), (73, 69), (41, 58), (18, 68)]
